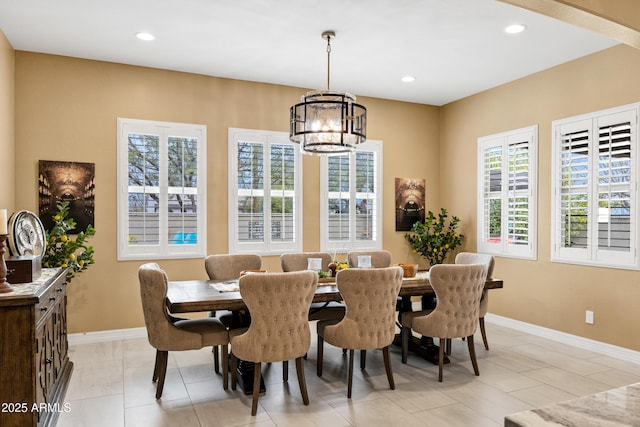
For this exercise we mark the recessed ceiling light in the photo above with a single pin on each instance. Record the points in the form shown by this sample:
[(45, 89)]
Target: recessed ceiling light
[(145, 36), (515, 29), (408, 79)]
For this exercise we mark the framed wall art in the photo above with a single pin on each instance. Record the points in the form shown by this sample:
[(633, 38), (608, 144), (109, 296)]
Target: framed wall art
[(70, 182), (410, 202)]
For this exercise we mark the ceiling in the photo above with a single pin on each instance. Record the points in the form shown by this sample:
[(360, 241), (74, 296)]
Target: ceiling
[(454, 48)]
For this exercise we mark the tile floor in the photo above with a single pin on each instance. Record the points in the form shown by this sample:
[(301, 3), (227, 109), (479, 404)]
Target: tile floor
[(111, 386)]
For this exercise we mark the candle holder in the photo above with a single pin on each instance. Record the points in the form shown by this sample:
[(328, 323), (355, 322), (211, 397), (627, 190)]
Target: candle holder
[(4, 285)]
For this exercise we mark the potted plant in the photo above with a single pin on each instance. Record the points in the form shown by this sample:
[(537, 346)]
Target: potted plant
[(66, 250), (434, 238)]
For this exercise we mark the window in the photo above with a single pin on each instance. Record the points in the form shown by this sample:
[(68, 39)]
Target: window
[(507, 193), (161, 190), (351, 200), (595, 188), (265, 181)]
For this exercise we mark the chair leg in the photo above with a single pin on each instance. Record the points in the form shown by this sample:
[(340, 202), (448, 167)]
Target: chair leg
[(302, 381), (387, 367), (234, 371), (472, 354), (448, 346), (350, 381), (440, 359), (225, 367), (161, 366), (404, 333), (256, 388), (363, 359), (484, 334), (155, 367), (216, 363), (320, 355), (285, 371)]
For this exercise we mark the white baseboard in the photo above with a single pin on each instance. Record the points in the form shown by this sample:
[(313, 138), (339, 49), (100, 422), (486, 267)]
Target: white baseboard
[(580, 342), (111, 335)]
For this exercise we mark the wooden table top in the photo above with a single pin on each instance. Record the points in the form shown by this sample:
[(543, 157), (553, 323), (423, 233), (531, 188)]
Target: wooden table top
[(198, 295)]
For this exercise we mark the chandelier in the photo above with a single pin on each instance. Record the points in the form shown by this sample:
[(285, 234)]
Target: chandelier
[(328, 122)]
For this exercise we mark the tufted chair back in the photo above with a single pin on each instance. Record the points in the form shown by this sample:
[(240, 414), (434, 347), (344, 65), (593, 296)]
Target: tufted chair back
[(279, 306), (475, 258), (162, 334), (379, 259), (300, 261), (458, 289), (228, 267), (370, 296), (279, 331), (370, 321), (489, 262)]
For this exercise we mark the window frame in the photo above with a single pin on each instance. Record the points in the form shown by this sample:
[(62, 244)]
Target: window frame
[(164, 249), (505, 140), (268, 246), (326, 245), (591, 124)]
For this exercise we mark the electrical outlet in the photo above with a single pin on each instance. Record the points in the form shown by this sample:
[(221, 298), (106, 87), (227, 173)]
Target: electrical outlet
[(589, 317)]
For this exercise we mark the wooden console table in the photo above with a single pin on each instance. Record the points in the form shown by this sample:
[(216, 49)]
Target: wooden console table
[(34, 364)]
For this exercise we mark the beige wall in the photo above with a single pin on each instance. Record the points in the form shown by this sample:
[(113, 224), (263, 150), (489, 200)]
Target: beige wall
[(66, 110), (7, 78), (548, 294)]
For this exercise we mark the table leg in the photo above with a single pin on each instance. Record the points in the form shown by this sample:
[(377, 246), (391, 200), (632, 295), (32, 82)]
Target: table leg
[(423, 346)]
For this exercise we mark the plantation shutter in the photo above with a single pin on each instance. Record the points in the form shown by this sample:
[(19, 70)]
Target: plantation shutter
[(595, 206), (506, 180)]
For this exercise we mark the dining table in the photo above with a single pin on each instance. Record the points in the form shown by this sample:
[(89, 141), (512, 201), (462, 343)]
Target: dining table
[(188, 296)]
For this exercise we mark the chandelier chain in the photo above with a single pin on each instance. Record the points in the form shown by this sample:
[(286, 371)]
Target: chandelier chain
[(328, 62)]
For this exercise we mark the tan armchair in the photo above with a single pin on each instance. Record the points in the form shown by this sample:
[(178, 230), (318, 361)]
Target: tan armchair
[(488, 261), (228, 267), (458, 289), (166, 333), (379, 259), (279, 306), (300, 261), (370, 321)]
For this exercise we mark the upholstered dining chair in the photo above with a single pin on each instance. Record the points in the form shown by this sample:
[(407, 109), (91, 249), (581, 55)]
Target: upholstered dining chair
[(228, 267), (300, 261), (166, 333), (279, 331), (458, 289), (488, 261), (370, 320), (379, 259)]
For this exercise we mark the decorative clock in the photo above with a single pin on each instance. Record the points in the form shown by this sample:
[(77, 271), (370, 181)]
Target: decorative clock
[(26, 234)]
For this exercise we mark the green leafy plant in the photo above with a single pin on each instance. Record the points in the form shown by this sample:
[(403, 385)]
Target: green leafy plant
[(67, 250), (433, 238)]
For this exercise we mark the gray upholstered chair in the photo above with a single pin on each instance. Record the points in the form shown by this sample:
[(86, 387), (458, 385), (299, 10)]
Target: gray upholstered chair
[(458, 289), (370, 320), (489, 262), (279, 307), (379, 259), (300, 261), (166, 333), (228, 267)]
